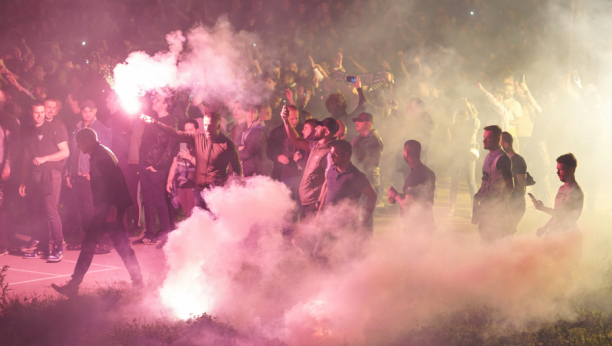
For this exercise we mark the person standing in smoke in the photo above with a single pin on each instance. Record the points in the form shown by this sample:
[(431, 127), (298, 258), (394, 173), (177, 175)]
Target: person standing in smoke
[(491, 201), (516, 202), (318, 159), (111, 199), (368, 148), (417, 197), (252, 145), (45, 146), (214, 154), (464, 150), (343, 181), (9, 151), (568, 203), (415, 123)]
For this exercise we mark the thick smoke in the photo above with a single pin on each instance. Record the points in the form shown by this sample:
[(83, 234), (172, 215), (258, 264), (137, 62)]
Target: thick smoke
[(235, 265), (212, 63)]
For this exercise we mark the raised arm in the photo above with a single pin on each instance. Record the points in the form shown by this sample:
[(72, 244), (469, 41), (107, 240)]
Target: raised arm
[(181, 136), (294, 137)]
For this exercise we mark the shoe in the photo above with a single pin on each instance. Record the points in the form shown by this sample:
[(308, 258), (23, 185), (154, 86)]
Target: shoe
[(73, 247), (144, 241), (30, 246), (69, 290), (35, 254), (3, 251), (56, 255), (102, 249)]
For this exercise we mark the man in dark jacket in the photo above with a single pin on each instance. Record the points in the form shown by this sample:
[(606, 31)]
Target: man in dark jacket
[(111, 198), (214, 153), (157, 152), (252, 145)]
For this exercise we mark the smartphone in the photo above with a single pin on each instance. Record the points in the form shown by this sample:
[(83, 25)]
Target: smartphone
[(351, 79), (532, 197), (183, 146)]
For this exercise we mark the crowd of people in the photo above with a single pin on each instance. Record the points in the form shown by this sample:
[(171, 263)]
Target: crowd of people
[(360, 96)]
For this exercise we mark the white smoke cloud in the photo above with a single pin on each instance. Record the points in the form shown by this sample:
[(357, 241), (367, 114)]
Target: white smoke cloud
[(212, 63), (236, 266)]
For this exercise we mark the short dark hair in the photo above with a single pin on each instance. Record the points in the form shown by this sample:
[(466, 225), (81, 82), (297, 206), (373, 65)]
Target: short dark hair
[(37, 103), (312, 122), (192, 122), (88, 134), (336, 102), (49, 99), (343, 146), (413, 147), (495, 129), (507, 137), (213, 116), (568, 160)]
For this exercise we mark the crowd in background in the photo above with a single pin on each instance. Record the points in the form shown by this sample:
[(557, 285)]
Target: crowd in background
[(434, 71)]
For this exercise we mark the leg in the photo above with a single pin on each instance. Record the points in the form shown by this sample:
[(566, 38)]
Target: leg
[(187, 200), (147, 187), (51, 205), (199, 199), (122, 245), (94, 233), (82, 188)]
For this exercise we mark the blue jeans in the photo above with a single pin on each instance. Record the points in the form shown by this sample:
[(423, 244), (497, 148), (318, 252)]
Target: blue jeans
[(153, 189)]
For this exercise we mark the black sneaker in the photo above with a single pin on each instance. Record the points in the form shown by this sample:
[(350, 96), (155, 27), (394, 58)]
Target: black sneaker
[(144, 241), (70, 289), (73, 247), (30, 246)]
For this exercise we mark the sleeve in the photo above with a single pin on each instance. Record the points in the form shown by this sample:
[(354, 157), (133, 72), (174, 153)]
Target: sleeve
[(234, 159), (182, 137), (327, 163), (61, 135), (500, 109), (362, 182), (414, 180), (520, 167), (504, 165)]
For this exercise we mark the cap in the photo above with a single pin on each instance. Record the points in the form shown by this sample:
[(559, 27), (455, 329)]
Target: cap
[(331, 124), (88, 103), (364, 117)]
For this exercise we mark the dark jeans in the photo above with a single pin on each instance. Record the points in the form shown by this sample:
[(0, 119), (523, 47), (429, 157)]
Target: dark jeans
[(199, 200), (44, 199), (96, 230), (131, 174), (83, 198), (153, 189)]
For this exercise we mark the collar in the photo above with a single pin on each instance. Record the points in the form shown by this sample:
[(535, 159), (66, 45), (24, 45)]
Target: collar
[(80, 124), (349, 169)]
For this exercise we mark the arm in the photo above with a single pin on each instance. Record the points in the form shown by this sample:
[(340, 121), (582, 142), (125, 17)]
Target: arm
[(294, 137), (371, 194), (235, 161), (520, 187), (181, 136), (171, 175), (361, 68), (497, 106), (63, 153), (504, 165), (530, 98), (25, 171), (403, 200)]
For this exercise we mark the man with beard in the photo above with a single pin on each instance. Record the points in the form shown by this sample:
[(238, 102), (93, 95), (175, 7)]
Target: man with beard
[(490, 211), (318, 159)]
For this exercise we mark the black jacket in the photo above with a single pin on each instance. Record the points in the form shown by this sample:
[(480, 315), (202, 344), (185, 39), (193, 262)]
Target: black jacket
[(108, 184), (158, 148)]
